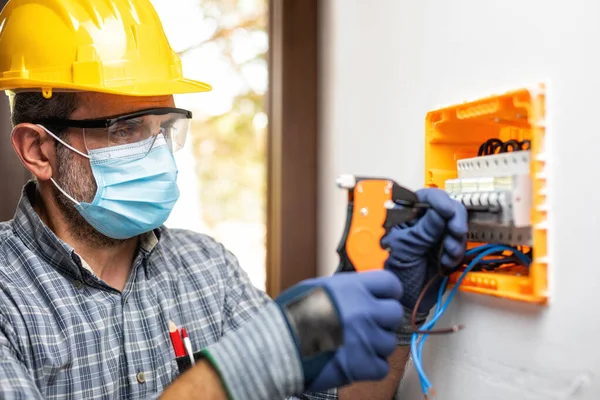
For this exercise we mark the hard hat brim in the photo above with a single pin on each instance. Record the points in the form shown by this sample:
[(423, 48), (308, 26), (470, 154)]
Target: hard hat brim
[(177, 86)]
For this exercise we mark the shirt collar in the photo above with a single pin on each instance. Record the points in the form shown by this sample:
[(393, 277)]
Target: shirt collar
[(38, 237)]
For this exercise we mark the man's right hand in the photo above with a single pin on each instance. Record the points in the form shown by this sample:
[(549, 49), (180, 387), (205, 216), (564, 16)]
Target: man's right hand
[(344, 326)]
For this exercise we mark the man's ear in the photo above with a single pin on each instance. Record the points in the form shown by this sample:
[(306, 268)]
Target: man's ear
[(35, 147)]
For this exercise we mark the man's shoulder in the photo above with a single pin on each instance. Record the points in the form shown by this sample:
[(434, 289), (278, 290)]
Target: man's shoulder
[(196, 251), (186, 243), (205, 263), (188, 238)]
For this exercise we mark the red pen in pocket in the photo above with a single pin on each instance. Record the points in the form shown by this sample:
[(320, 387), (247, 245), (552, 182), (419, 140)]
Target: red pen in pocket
[(176, 340)]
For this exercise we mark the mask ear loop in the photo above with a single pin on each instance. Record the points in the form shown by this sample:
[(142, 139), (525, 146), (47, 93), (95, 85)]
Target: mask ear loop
[(64, 143), (71, 148), (63, 192)]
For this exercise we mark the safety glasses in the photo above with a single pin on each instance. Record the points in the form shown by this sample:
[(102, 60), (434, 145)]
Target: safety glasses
[(140, 127)]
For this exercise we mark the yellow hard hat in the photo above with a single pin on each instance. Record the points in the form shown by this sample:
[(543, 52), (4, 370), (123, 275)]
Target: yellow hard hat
[(110, 46)]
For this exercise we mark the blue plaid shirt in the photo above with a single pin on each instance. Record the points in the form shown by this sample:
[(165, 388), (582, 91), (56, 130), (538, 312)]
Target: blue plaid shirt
[(65, 334)]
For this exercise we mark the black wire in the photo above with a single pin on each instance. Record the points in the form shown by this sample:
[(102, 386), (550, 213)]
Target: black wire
[(493, 266), (487, 146), (515, 145), (495, 146), (506, 260)]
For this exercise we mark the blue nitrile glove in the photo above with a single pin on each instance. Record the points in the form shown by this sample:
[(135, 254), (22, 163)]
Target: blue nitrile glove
[(344, 326), (414, 247)]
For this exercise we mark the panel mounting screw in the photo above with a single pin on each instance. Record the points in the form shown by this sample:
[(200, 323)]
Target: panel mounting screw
[(364, 211)]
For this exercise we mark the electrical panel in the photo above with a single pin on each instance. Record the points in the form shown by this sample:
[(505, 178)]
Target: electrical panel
[(489, 154)]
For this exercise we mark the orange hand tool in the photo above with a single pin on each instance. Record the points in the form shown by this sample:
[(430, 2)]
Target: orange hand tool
[(375, 206)]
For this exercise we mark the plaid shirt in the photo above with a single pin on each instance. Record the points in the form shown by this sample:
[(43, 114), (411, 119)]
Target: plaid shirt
[(65, 334)]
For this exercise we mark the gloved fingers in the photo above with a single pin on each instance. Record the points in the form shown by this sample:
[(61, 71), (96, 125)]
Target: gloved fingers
[(381, 284), (448, 261), (403, 260), (384, 342), (431, 227), (427, 230), (402, 250), (447, 208), (439, 200), (393, 236), (409, 224), (458, 225), (454, 250), (387, 313)]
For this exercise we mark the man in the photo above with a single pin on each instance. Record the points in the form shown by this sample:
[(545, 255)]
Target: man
[(90, 279)]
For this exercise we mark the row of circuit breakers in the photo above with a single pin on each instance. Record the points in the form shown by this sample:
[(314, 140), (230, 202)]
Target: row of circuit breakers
[(497, 191)]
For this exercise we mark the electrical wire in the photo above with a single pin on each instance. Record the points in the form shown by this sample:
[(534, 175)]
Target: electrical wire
[(513, 144), (440, 275), (413, 318), (496, 146), (491, 264), (489, 146), (441, 308), (416, 346)]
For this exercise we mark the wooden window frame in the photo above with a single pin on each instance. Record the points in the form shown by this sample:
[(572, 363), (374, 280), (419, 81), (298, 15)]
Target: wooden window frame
[(292, 143)]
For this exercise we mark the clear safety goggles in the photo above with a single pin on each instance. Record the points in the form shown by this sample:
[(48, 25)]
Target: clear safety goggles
[(131, 129)]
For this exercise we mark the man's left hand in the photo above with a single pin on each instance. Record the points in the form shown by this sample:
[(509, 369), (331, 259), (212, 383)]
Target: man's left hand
[(414, 247)]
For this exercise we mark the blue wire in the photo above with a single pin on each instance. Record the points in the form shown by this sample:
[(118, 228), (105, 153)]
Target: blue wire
[(425, 384), (424, 337), (416, 344), (478, 249), (437, 310), (417, 351)]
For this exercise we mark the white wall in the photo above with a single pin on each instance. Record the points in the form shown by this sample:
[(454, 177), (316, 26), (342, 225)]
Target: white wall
[(384, 64)]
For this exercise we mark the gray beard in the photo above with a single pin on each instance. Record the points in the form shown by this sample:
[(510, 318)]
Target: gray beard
[(80, 184)]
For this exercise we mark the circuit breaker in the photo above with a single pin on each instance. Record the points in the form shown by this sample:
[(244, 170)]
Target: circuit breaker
[(489, 154)]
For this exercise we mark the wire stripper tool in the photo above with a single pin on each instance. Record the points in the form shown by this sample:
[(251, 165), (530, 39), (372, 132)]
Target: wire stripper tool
[(375, 206)]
